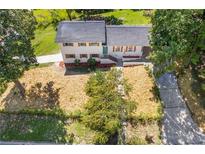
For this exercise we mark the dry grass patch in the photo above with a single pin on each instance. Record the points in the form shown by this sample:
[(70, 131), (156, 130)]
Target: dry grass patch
[(67, 91), (148, 113), (142, 131), (142, 91)]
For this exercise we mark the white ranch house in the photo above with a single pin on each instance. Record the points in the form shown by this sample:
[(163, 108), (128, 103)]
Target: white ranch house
[(105, 43)]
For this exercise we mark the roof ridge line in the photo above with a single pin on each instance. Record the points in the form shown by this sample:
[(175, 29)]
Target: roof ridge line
[(82, 21), (128, 26)]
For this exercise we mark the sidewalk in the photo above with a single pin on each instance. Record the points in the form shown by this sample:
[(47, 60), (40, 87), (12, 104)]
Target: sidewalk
[(49, 58)]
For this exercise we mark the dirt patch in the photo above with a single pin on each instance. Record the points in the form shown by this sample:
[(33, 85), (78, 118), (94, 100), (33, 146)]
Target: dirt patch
[(68, 90), (142, 86)]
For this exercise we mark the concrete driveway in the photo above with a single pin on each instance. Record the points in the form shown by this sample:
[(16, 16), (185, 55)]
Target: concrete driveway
[(49, 58), (178, 126)]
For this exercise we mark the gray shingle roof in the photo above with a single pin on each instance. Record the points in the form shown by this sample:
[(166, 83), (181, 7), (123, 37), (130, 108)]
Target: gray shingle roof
[(128, 35), (81, 31)]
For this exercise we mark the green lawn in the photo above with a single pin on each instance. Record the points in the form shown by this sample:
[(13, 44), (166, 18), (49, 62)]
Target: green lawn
[(25, 127), (44, 42), (32, 128), (129, 17)]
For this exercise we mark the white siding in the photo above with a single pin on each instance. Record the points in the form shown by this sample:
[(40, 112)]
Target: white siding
[(80, 50)]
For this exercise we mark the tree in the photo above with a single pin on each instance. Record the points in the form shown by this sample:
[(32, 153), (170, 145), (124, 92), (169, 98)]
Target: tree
[(175, 38), (16, 52), (105, 108), (57, 16), (70, 13), (87, 13)]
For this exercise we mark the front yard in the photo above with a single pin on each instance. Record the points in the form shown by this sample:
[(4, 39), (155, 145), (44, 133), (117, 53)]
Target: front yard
[(48, 89)]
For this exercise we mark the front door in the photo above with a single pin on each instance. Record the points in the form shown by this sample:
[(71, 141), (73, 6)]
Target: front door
[(105, 50)]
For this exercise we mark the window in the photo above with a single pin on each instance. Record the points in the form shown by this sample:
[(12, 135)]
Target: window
[(83, 55), (94, 55), (130, 48), (67, 44), (117, 48), (81, 44), (69, 56), (93, 44)]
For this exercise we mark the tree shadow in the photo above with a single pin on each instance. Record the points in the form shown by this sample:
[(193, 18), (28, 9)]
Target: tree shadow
[(34, 128), (37, 97), (16, 125), (48, 95)]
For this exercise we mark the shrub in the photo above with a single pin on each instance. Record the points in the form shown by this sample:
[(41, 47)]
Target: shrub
[(57, 112), (77, 62), (100, 138), (92, 63), (109, 20)]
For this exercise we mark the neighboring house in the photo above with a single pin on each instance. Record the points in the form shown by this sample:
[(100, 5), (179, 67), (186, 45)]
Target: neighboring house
[(105, 43)]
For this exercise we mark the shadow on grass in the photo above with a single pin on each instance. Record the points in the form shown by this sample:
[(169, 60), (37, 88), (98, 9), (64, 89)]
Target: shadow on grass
[(25, 127)]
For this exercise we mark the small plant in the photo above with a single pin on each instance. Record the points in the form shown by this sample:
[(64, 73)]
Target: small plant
[(92, 63), (77, 62)]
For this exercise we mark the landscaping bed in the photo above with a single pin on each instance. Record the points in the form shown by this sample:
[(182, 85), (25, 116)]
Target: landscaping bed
[(148, 114)]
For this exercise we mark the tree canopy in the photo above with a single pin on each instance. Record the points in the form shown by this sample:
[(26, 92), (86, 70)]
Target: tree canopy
[(177, 38), (16, 52)]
